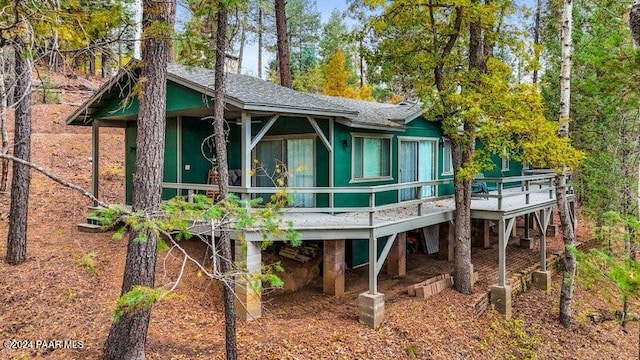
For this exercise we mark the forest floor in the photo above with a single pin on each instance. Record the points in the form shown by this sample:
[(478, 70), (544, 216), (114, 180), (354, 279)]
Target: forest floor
[(53, 297)]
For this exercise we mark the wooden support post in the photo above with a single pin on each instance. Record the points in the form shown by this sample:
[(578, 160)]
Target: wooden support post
[(95, 159), (446, 241), (397, 259), (333, 267), (248, 300), (373, 261), (501, 293), (486, 234), (245, 152), (526, 241), (514, 230), (502, 249)]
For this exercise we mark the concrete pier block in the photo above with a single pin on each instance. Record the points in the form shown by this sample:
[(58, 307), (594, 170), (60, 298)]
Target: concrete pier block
[(552, 230), (526, 243), (371, 309), (397, 258), (542, 280), (501, 300), (248, 298), (333, 267)]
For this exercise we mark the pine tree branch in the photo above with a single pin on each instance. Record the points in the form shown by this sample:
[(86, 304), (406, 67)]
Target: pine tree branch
[(54, 177)]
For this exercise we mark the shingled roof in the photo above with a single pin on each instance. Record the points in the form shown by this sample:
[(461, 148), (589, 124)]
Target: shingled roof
[(251, 93)]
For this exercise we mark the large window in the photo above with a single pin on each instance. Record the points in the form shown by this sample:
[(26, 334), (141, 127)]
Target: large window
[(447, 163), (371, 157)]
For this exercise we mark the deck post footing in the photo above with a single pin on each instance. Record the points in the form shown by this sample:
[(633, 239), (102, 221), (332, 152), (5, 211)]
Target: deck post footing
[(501, 300), (371, 309), (526, 243), (542, 279)]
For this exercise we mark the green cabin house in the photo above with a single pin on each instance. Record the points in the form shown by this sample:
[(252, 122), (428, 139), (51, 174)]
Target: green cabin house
[(362, 173)]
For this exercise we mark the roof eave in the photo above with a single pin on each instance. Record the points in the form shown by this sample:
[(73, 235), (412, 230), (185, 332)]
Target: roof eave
[(103, 89), (359, 125)]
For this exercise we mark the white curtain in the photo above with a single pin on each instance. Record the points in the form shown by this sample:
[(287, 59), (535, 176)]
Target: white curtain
[(426, 168), (300, 169), (408, 168)]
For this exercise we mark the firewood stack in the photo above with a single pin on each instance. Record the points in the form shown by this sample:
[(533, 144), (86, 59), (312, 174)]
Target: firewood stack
[(301, 253)]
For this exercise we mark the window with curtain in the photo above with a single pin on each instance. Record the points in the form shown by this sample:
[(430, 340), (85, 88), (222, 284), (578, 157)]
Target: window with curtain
[(447, 162), (371, 157)]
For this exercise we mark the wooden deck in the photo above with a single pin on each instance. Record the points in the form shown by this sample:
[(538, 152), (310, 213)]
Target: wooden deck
[(358, 225)]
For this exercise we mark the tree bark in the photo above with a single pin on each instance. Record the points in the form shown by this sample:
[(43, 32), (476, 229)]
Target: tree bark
[(260, 41), (568, 235), (536, 38), (634, 22), (127, 337), (10, 77), (171, 21), (4, 136), (283, 43), (17, 237), (243, 39), (223, 182), (463, 268)]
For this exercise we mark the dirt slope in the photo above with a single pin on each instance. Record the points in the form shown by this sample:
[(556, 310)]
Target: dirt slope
[(51, 297)]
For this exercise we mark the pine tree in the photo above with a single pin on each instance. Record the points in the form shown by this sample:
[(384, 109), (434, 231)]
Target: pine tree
[(128, 334)]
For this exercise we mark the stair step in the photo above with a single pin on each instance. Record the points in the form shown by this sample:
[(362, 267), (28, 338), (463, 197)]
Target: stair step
[(90, 228)]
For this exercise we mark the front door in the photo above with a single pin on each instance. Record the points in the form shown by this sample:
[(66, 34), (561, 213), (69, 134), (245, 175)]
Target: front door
[(417, 163), (289, 162)]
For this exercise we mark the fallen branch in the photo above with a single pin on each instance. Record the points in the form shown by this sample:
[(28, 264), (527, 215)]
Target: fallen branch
[(54, 177)]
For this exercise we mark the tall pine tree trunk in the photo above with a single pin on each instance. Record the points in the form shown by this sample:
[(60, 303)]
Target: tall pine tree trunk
[(171, 21), (223, 180), (283, 43), (4, 136), (634, 22), (243, 39), (536, 39), (260, 41), (10, 75), (17, 237), (568, 235), (127, 337)]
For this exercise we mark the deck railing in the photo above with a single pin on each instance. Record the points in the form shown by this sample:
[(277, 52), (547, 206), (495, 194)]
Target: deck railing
[(527, 184)]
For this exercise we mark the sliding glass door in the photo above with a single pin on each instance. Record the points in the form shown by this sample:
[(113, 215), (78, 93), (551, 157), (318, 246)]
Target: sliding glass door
[(417, 163), (291, 160)]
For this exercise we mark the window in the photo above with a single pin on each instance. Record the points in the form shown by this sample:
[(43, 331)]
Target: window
[(447, 162), (505, 164), (371, 157)]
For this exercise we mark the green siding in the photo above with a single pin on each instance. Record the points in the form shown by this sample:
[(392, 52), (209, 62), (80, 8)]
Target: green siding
[(179, 98), (357, 251), (419, 127), (170, 158), (194, 131)]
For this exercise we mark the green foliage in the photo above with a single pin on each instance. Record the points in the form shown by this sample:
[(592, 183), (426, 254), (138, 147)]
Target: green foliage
[(137, 299), (604, 101), (50, 95), (521, 342), (612, 264), (423, 50), (87, 261)]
